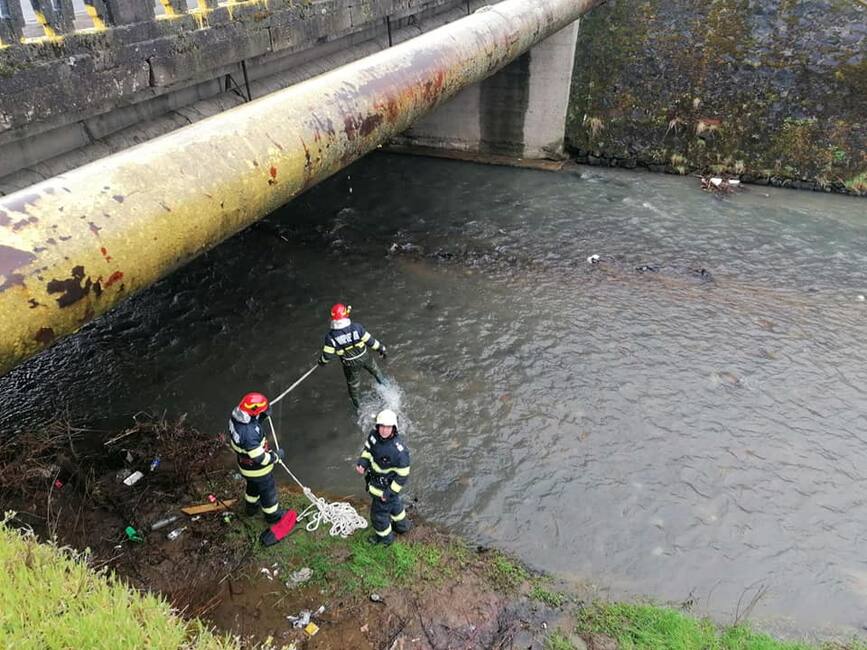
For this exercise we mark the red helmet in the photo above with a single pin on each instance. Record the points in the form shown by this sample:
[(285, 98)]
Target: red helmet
[(340, 311), (254, 404)]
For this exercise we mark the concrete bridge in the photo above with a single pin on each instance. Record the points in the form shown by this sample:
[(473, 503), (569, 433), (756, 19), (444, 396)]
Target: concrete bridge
[(87, 220)]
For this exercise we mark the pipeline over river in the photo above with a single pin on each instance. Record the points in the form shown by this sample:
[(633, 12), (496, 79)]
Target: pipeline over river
[(75, 245)]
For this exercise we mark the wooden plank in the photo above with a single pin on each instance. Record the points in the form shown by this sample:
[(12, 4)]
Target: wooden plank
[(208, 507)]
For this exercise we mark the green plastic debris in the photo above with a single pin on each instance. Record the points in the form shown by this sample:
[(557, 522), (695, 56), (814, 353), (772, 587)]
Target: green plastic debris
[(133, 535)]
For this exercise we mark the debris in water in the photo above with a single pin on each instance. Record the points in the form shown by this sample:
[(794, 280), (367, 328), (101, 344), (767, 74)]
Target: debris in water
[(719, 185), (593, 259)]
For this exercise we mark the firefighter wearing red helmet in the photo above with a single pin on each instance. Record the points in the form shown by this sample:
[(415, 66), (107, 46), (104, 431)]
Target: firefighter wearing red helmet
[(349, 342), (247, 437)]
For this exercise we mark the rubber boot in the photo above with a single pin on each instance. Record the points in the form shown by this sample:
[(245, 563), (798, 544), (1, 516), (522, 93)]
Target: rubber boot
[(402, 527), (275, 516)]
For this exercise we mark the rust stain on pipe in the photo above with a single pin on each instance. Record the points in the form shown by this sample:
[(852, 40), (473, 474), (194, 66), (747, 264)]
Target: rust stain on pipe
[(160, 204)]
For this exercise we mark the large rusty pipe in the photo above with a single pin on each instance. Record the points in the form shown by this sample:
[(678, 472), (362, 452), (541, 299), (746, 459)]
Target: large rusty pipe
[(74, 246)]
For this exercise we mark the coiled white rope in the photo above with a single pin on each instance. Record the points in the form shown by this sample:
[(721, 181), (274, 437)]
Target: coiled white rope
[(344, 519)]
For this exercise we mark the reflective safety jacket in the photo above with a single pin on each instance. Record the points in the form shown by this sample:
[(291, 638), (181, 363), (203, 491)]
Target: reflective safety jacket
[(247, 439), (348, 343), (387, 463)]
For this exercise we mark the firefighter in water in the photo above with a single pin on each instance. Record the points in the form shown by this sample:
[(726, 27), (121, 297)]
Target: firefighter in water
[(255, 459), (349, 341), (384, 462)]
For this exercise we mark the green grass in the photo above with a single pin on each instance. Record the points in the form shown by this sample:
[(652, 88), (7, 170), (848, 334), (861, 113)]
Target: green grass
[(558, 641), (506, 574), (352, 564), (858, 183), (49, 599), (548, 596), (640, 627)]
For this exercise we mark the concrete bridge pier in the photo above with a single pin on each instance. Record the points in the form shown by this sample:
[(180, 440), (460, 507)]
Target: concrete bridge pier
[(519, 112)]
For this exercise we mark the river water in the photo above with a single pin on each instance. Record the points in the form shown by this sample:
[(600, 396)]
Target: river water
[(663, 432)]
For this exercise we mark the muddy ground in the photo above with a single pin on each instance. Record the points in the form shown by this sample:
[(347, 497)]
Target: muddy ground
[(430, 590)]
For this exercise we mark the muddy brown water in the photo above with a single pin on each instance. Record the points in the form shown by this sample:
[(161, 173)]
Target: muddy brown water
[(662, 432)]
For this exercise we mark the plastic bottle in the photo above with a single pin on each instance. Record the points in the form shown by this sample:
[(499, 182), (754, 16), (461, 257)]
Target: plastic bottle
[(162, 523), (155, 463), (175, 533)]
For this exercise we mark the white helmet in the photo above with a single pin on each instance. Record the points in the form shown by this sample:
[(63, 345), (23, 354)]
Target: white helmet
[(386, 418)]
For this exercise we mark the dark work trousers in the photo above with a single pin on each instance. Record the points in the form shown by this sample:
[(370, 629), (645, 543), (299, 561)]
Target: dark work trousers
[(352, 372), (388, 517), (262, 490)]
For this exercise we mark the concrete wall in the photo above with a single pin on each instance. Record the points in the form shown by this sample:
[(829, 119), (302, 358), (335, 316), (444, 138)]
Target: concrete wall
[(519, 112), (83, 94)]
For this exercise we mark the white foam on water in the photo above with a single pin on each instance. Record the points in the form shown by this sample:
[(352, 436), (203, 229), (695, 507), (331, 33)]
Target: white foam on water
[(385, 396)]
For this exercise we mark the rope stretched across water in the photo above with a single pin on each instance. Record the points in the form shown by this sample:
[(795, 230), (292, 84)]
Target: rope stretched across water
[(291, 388), (342, 516)]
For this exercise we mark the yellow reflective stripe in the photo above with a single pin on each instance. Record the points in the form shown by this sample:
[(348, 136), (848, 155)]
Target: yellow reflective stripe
[(365, 338), (360, 344), (250, 499), (327, 349), (366, 455), (258, 451), (399, 517), (252, 453), (375, 491), (383, 533), (400, 471), (340, 353), (376, 345), (255, 473), (366, 445), (395, 486), (376, 468), (270, 509)]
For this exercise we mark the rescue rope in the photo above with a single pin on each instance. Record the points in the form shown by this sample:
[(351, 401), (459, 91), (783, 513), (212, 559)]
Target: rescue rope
[(342, 516), (290, 389)]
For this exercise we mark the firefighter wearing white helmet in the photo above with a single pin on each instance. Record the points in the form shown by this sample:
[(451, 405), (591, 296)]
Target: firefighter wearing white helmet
[(384, 462)]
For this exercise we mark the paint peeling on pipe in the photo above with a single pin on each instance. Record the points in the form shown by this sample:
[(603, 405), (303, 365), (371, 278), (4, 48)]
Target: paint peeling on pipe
[(74, 246)]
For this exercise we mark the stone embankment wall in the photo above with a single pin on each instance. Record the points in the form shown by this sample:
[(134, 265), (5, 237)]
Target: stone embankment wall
[(773, 91)]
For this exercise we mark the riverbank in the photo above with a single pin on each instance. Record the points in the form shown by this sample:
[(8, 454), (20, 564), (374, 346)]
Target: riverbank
[(428, 590)]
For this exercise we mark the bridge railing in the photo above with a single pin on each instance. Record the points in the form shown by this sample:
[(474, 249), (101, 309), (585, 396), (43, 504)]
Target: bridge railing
[(28, 21)]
